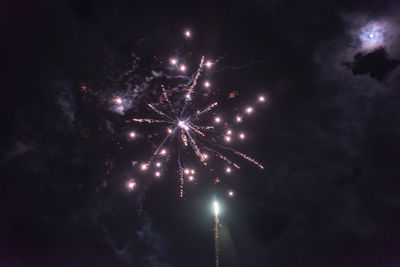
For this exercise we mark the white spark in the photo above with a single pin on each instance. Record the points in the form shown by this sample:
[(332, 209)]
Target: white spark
[(188, 33), (144, 166), (182, 68), (173, 61), (208, 64), (249, 110), (261, 98), (118, 100), (231, 193), (227, 139), (238, 119), (241, 136), (207, 84), (228, 170), (132, 134), (157, 174), (217, 119), (158, 164)]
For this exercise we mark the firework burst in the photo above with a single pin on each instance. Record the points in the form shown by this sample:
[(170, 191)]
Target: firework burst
[(187, 120)]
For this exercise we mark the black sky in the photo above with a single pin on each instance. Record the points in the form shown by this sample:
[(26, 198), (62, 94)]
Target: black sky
[(329, 137)]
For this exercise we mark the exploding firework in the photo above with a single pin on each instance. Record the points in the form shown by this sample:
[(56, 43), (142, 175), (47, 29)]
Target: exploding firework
[(187, 120)]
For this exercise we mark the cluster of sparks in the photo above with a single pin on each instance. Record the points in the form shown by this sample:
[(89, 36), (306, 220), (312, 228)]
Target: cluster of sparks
[(185, 126)]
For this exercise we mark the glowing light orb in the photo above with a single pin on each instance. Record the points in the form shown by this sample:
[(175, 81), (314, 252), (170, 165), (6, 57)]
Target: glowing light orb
[(229, 132), (182, 68), (187, 171), (217, 119), (207, 84), (157, 174), (131, 185), (208, 64), (173, 61), (249, 110), (205, 156), (231, 193), (132, 134), (169, 130), (158, 164), (118, 100), (192, 171), (227, 139), (191, 178), (144, 167), (228, 170), (188, 33), (371, 36), (261, 98), (163, 152), (238, 119), (242, 136)]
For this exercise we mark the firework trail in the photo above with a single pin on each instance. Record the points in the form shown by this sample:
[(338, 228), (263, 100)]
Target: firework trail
[(216, 239)]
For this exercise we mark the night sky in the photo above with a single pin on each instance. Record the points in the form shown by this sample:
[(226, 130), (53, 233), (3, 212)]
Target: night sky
[(328, 136)]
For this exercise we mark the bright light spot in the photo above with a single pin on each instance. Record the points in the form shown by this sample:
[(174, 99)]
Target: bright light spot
[(249, 110), (158, 164), (187, 171), (242, 136), (207, 84), (231, 193), (169, 130), (144, 166), (188, 96), (157, 174), (173, 61), (182, 67), (183, 125), (217, 119), (227, 139), (261, 98), (216, 208), (229, 132), (131, 185), (132, 134), (192, 171), (118, 100), (208, 64), (371, 36), (205, 156), (163, 152), (228, 170), (238, 119), (191, 178), (188, 34)]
